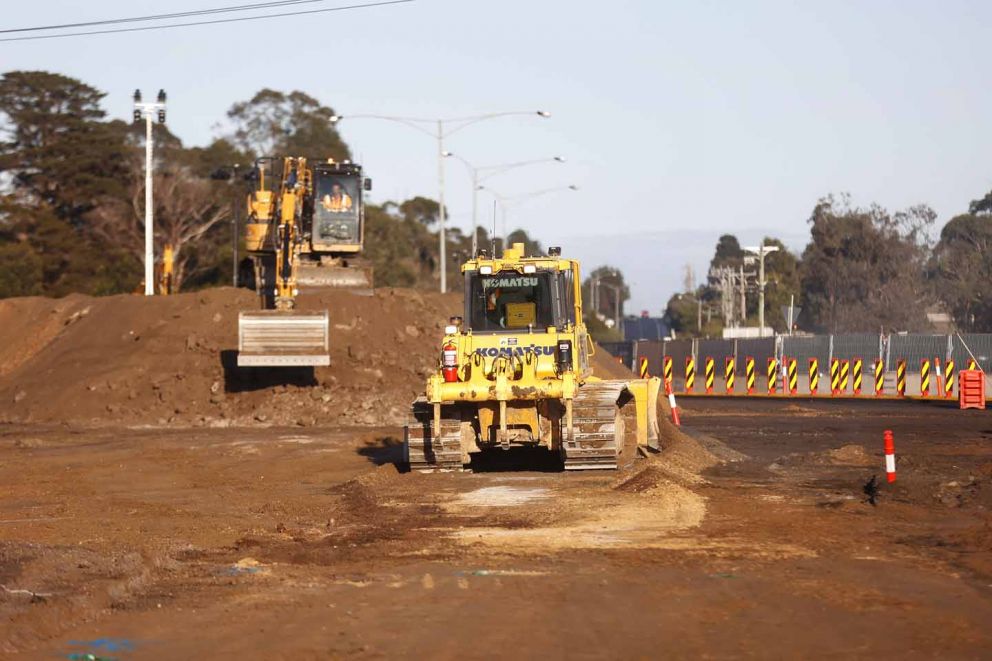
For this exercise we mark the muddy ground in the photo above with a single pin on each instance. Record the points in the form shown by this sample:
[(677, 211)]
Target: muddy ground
[(756, 540)]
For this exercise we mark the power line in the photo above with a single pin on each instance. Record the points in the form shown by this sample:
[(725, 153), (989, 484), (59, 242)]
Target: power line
[(159, 17), (213, 22)]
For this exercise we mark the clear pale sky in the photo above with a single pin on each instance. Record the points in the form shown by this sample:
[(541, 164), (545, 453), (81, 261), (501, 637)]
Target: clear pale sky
[(680, 121)]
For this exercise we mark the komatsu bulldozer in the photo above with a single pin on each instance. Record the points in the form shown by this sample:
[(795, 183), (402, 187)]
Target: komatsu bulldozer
[(515, 371), (304, 231)]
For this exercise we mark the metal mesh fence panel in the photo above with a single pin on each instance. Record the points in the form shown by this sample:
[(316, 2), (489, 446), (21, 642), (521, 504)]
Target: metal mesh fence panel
[(861, 345), (761, 349), (653, 351), (718, 350), (804, 348), (980, 345), (914, 348), (678, 350)]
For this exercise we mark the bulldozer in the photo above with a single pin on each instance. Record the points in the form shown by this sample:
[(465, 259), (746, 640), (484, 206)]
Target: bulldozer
[(304, 232), (515, 371)]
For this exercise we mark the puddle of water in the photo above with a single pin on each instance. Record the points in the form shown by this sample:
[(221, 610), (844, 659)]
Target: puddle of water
[(501, 496)]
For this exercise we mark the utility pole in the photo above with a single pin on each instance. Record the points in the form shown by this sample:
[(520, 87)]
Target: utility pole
[(148, 111), (761, 251)]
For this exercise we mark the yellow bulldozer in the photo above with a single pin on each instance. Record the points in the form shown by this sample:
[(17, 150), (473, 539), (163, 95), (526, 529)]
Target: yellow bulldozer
[(515, 370), (305, 231)]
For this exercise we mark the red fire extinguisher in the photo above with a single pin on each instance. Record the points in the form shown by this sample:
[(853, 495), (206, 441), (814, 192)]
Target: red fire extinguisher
[(449, 363)]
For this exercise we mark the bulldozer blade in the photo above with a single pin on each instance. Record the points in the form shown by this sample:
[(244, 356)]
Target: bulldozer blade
[(310, 277), (283, 338)]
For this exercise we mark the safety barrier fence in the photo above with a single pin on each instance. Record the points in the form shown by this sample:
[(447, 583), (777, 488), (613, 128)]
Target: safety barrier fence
[(852, 365)]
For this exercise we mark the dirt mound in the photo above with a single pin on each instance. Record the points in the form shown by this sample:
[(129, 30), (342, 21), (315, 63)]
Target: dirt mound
[(137, 360)]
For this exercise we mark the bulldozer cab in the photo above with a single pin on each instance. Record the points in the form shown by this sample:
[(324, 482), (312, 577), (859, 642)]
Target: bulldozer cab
[(338, 216), (513, 301)]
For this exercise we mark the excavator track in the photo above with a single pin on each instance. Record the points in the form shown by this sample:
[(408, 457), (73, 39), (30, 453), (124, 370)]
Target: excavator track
[(597, 427), (426, 450)]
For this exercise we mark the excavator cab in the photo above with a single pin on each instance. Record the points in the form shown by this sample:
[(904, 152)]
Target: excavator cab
[(338, 221)]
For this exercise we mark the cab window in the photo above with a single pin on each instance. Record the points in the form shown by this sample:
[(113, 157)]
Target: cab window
[(509, 301)]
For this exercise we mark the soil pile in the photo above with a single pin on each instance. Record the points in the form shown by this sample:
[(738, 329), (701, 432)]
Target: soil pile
[(136, 360)]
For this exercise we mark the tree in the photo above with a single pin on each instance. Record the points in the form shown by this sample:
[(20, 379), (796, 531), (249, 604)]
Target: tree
[(982, 206), (55, 148), (603, 294), (189, 211), (419, 209), (531, 246), (863, 269), (728, 252), (273, 123), (961, 268)]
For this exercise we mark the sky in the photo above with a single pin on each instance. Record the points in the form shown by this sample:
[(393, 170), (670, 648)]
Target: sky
[(679, 121)]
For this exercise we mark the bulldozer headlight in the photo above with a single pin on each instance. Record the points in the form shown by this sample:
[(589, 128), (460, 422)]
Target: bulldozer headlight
[(486, 270), (450, 330), (530, 268)]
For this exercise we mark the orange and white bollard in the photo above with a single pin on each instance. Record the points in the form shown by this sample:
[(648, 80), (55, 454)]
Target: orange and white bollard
[(890, 456), (675, 407)]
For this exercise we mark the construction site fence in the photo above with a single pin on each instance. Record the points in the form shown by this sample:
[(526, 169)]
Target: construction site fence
[(869, 347)]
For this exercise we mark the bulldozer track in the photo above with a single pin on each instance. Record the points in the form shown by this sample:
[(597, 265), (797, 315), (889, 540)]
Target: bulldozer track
[(426, 450), (598, 427)]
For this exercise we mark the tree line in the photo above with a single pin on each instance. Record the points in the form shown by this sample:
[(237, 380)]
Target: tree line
[(864, 269), (72, 193)]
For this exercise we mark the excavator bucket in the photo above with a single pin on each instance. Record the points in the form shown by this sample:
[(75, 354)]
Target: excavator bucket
[(310, 277), (283, 338)]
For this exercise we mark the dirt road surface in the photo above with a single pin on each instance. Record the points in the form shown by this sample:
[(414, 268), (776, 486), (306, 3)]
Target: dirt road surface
[(148, 541)]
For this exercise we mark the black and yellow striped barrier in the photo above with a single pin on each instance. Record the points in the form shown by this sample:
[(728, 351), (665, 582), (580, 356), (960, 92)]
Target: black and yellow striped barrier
[(668, 369), (749, 374), (690, 373), (834, 376), (925, 377), (845, 376), (901, 378), (772, 375), (814, 376), (729, 367), (710, 374), (879, 378), (949, 379), (857, 373), (793, 365), (642, 368), (972, 365)]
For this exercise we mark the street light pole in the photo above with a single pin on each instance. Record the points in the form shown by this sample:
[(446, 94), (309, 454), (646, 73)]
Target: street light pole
[(761, 251), (517, 198), (442, 239), (147, 111), (488, 171), (439, 135)]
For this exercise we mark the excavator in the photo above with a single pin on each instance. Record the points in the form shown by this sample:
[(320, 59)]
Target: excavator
[(515, 370), (304, 231)]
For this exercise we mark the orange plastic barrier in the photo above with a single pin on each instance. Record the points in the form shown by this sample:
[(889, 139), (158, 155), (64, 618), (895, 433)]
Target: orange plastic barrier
[(971, 389)]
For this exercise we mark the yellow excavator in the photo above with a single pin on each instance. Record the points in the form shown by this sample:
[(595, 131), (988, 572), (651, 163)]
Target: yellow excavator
[(305, 230), (516, 371)]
